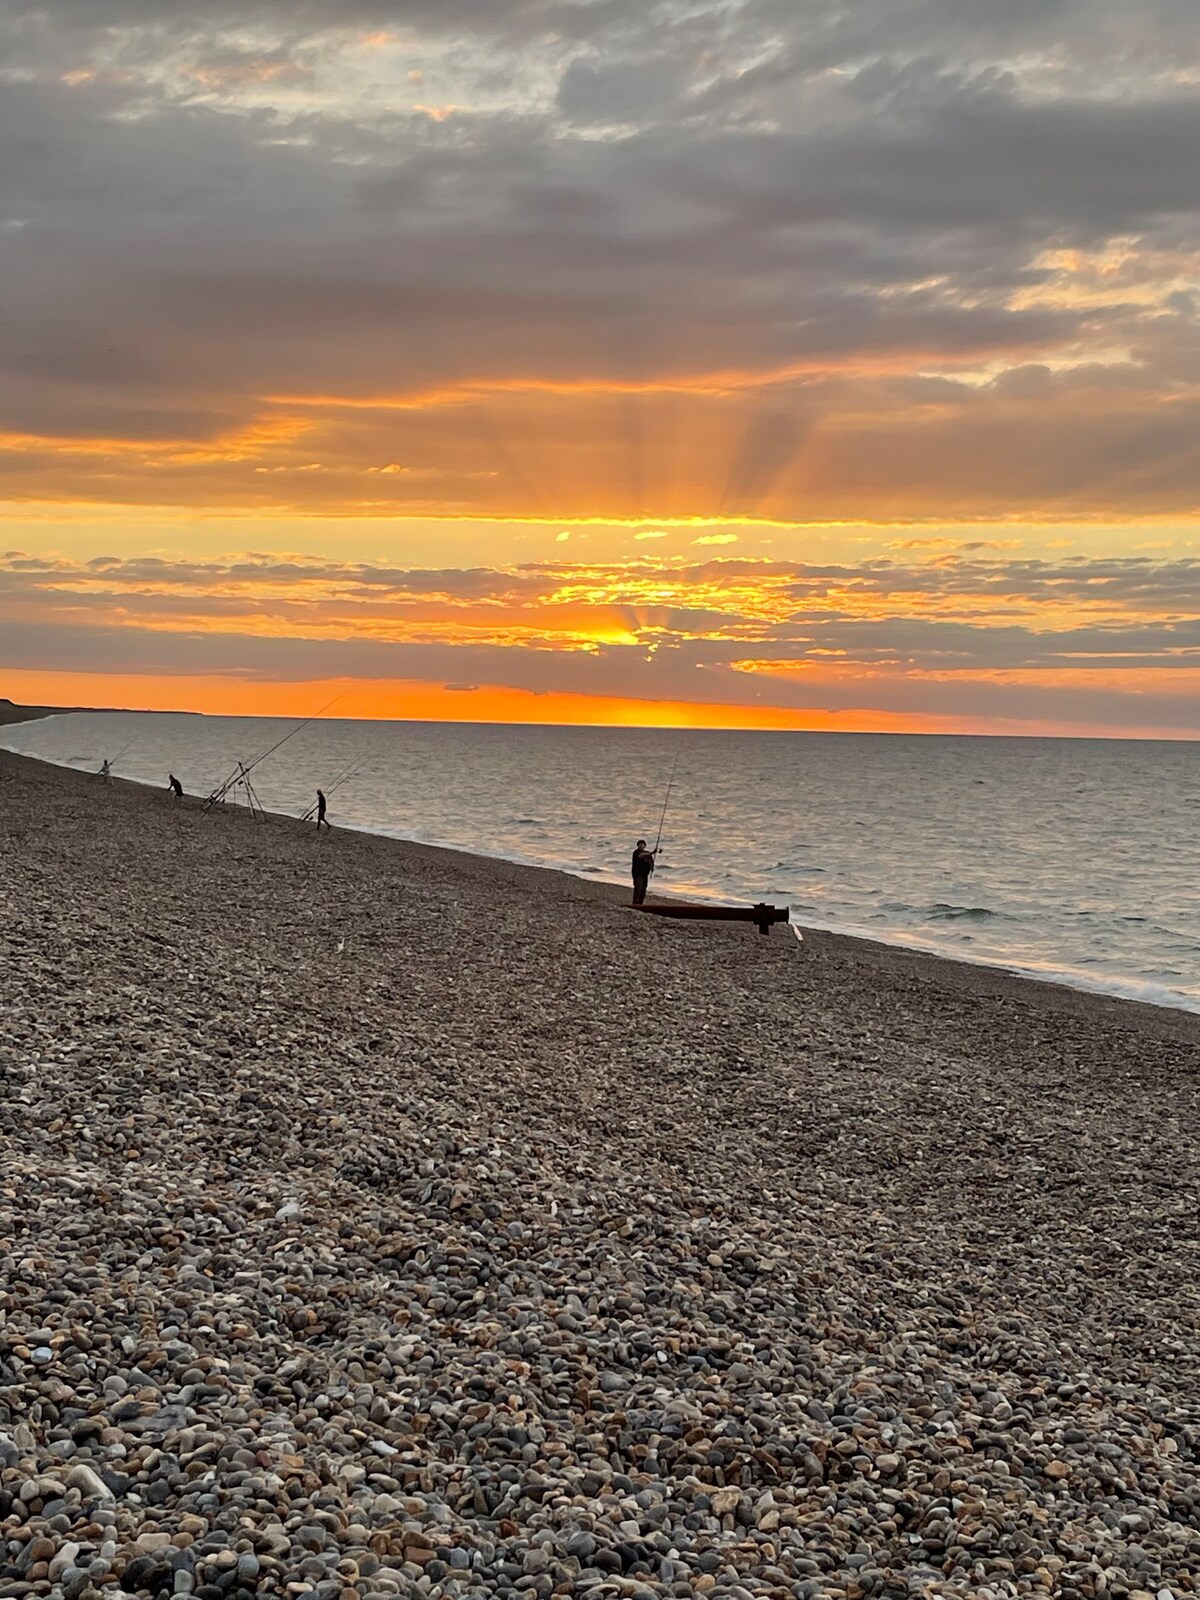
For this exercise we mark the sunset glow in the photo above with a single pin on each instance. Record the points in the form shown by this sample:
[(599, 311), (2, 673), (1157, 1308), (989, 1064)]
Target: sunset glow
[(717, 365)]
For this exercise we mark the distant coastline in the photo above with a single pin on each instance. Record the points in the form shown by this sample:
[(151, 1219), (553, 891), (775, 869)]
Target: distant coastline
[(11, 712)]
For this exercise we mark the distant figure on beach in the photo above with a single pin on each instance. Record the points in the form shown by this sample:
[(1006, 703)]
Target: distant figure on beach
[(105, 771), (643, 866), (175, 786), (321, 817)]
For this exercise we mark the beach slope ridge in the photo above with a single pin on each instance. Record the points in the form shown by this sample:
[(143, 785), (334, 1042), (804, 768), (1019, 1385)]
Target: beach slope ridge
[(380, 1220)]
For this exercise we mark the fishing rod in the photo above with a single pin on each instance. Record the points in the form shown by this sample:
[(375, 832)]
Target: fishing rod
[(344, 776), (107, 767), (122, 751), (347, 777), (244, 768), (280, 742), (666, 803)]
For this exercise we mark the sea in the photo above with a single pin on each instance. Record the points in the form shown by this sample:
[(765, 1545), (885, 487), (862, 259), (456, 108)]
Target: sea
[(1074, 860)]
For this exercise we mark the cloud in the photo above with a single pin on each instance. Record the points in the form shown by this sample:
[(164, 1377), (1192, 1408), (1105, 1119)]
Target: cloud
[(749, 257), (675, 262), (1086, 640)]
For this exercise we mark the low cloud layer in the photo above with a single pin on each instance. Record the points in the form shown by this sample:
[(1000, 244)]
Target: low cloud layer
[(972, 633)]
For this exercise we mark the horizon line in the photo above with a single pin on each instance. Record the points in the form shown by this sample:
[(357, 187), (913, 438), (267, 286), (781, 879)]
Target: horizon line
[(44, 713)]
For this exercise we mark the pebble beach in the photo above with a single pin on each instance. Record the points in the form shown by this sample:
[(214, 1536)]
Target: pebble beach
[(380, 1220)]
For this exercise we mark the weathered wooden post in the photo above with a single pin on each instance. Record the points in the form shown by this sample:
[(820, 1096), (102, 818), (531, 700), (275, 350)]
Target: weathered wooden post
[(763, 916)]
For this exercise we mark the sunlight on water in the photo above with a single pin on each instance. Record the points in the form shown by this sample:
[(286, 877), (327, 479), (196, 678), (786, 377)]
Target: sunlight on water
[(1068, 858)]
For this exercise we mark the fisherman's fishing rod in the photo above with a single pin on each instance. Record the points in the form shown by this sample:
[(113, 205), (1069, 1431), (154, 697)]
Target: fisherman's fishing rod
[(107, 767), (340, 777), (344, 776), (330, 788), (666, 802), (243, 769), (280, 742)]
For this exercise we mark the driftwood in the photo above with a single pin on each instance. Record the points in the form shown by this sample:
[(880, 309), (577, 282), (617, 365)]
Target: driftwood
[(762, 916)]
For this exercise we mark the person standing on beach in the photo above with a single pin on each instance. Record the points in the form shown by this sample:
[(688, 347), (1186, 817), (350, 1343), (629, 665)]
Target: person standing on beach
[(105, 771), (643, 866), (175, 786), (321, 817)]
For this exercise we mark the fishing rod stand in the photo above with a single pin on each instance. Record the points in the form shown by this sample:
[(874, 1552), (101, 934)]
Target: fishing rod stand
[(238, 787)]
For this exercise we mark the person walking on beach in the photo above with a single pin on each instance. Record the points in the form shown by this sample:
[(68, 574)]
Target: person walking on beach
[(105, 771), (643, 866), (175, 786), (321, 817)]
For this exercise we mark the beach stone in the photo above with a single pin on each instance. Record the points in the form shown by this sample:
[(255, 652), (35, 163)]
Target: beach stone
[(153, 1542), (89, 1483), (63, 1558), (793, 1279)]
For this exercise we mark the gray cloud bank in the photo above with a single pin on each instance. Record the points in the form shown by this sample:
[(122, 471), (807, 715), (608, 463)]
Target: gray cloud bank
[(208, 205)]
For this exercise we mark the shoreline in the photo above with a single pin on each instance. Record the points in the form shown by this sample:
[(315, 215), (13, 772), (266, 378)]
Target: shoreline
[(1127, 991), (1123, 990), (959, 973), (386, 1220)]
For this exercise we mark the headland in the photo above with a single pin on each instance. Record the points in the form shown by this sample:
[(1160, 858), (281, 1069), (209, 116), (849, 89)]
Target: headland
[(10, 712)]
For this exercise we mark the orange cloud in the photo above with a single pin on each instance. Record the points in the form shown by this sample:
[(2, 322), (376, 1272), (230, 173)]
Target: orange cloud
[(241, 444), (653, 455), (705, 382)]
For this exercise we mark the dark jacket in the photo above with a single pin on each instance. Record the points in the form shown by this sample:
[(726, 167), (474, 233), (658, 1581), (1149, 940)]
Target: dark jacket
[(643, 863)]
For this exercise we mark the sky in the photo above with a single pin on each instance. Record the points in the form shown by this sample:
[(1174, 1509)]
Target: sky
[(761, 363)]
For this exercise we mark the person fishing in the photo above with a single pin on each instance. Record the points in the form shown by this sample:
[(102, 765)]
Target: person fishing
[(175, 786), (643, 866), (643, 861), (106, 771), (321, 817)]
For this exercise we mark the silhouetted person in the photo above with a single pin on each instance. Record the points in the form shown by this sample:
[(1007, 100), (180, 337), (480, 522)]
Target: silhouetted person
[(321, 817), (106, 771), (643, 866), (175, 786)]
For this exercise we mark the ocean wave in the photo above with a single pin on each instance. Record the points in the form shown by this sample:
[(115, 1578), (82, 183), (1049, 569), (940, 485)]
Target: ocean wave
[(942, 912)]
